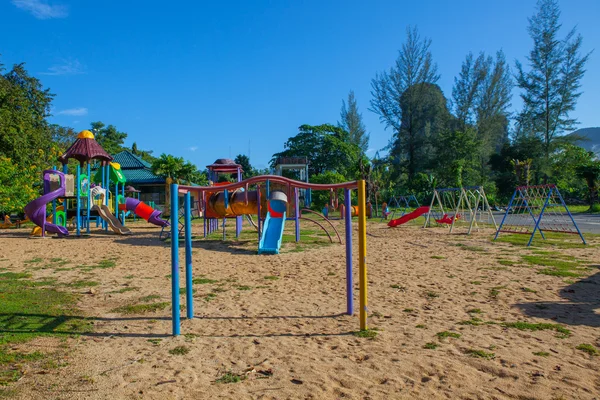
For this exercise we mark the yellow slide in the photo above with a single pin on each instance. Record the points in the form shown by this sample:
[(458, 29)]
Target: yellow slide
[(113, 222)]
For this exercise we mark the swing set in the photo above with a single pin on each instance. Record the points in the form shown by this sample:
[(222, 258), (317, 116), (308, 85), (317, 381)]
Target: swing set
[(538, 208), (466, 206)]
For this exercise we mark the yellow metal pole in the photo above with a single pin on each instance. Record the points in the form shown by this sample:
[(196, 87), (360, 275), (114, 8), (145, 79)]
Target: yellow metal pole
[(362, 252)]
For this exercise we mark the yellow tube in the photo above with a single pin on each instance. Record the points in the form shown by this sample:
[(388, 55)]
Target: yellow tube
[(362, 253)]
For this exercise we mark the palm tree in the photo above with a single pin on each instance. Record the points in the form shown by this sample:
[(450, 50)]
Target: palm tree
[(590, 171), (169, 167)]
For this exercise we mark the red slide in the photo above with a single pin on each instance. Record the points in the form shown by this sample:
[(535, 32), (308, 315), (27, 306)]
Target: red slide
[(405, 218)]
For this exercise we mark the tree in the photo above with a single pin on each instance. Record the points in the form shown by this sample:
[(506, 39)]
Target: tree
[(422, 123), (590, 171), (326, 147), (168, 166), (178, 170), (24, 107), (395, 104), (551, 87), (244, 161), (482, 95), (109, 137), (16, 189), (351, 122), (146, 155)]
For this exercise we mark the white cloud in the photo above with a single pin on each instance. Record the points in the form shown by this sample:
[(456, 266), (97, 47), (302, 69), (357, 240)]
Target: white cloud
[(40, 9), (370, 150), (193, 148), (68, 67), (73, 111)]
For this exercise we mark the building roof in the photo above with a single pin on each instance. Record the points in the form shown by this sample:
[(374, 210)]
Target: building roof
[(136, 170), (128, 160), (141, 176)]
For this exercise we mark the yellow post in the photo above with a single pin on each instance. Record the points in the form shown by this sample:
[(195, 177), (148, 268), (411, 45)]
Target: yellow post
[(362, 252)]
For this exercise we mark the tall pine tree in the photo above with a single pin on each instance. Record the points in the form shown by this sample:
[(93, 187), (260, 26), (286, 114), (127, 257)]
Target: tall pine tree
[(551, 86)]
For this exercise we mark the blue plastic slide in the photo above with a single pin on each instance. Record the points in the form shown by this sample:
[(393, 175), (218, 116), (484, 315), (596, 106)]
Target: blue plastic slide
[(270, 241)]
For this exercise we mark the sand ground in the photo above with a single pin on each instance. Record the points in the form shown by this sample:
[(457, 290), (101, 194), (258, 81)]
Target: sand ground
[(288, 336)]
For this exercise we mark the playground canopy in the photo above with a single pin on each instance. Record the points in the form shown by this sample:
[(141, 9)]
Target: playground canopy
[(85, 149)]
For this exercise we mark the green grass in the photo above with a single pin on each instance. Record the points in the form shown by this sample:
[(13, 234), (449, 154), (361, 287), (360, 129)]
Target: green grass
[(541, 353), (102, 264), (141, 308), (230, 377), (431, 294), (408, 310), (508, 263), (481, 354), (421, 326), (562, 332), (528, 290), (34, 260), (203, 281), (588, 348), (14, 275), (210, 297), (243, 287), (155, 342), (396, 286), (553, 240), (430, 346), (28, 311), (447, 334), (179, 351), (475, 311), (150, 297), (366, 333), (271, 278), (438, 257), (476, 283)]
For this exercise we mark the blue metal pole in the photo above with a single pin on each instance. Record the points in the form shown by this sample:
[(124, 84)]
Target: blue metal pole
[(348, 218), (78, 205), (505, 214), (189, 300), (175, 259), (297, 213), (570, 215), (537, 223)]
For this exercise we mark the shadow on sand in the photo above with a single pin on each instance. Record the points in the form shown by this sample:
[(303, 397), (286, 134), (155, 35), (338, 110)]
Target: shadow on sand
[(581, 308)]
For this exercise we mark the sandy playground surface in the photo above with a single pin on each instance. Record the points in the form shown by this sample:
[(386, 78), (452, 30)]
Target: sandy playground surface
[(275, 323)]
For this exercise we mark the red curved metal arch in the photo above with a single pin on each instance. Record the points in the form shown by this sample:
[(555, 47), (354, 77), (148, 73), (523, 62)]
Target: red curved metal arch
[(272, 178), (322, 227), (325, 218)]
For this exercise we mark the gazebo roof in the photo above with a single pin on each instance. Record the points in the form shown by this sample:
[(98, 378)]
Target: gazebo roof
[(85, 149), (224, 165)]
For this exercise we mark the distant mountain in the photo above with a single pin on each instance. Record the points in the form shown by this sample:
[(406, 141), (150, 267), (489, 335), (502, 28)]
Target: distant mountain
[(593, 134)]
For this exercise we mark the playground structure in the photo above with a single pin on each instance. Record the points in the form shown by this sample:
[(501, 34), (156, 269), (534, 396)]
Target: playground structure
[(77, 190), (299, 164), (466, 206), (278, 200), (399, 204), (538, 208)]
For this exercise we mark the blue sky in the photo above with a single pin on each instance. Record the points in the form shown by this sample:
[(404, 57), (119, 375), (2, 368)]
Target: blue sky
[(207, 80)]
